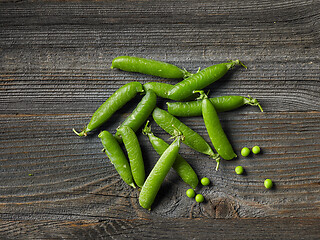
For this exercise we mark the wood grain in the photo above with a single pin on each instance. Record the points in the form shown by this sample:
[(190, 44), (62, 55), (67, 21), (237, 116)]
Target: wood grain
[(66, 168), (163, 229), (55, 72)]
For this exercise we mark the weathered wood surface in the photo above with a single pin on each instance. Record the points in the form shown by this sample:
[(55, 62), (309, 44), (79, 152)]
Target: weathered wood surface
[(163, 229), (54, 71)]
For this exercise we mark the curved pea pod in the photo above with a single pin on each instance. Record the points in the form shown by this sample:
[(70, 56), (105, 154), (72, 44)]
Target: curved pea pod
[(221, 104), (200, 80), (162, 90), (117, 157), (159, 88), (180, 165), (157, 175), (133, 148), (140, 113), (148, 66), (191, 138), (116, 101), (217, 135)]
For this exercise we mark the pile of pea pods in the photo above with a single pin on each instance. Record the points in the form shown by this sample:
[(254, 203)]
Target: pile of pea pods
[(130, 165)]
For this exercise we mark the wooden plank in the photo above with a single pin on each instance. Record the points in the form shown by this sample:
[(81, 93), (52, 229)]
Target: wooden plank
[(68, 170), (163, 229), (54, 73), (70, 91), (64, 59)]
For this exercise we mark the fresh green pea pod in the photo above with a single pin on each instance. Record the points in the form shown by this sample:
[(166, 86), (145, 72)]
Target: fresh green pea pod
[(148, 66), (116, 156), (116, 101), (217, 135), (200, 80), (181, 166), (159, 88), (133, 148), (191, 138), (221, 104), (157, 175), (162, 89), (140, 113)]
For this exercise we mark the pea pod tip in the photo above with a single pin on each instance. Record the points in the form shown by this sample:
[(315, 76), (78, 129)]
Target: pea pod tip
[(241, 63), (254, 102), (236, 62), (80, 134)]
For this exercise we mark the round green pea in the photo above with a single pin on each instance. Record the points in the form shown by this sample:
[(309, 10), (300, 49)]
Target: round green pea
[(205, 181), (199, 198), (239, 170), (245, 151), (190, 193), (268, 183), (256, 149)]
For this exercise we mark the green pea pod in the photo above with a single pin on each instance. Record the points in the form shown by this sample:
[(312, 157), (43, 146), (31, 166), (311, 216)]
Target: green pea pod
[(116, 101), (160, 89), (200, 80), (132, 146), (148, 66), (116, 156), (140, 113), (181, 166), (221, 104), (191, 138), (217, 135), (157, 175)]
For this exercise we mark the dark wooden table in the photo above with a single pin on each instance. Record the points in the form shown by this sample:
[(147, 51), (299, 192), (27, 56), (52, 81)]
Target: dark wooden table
[(55, 72)]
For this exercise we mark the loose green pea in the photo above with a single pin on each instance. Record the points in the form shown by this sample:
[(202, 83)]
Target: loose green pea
[(199, 198), (239, 170), (190, 193), (256, 149), (205, 181), (268, 183), (245, 151)]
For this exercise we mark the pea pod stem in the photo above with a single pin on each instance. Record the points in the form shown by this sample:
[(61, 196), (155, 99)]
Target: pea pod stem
[(237, 62), (79, 134), (253, 102), (177, 133)]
